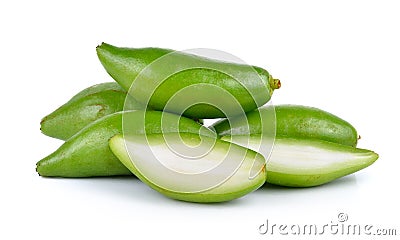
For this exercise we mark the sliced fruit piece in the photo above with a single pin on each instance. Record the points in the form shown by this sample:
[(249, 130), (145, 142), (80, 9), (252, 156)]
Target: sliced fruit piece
[(185, 166), (307, 162)]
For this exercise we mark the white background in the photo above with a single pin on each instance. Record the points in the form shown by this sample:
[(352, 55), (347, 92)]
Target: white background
[(341, 56)]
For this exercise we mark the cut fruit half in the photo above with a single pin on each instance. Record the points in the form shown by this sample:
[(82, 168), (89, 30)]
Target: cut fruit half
[(306, 163), (190, 167)]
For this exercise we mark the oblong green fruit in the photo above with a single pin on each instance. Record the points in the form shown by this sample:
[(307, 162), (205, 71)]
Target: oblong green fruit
[(293, 121), (308, 162), (204, 88), (172, 184), (85, 107), (86, 154)]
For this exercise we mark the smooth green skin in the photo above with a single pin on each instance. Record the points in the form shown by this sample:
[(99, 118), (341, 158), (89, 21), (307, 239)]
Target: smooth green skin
[(86, 154), (221, 193), (107, 86), (85, 107), (294, 121), (294, 176), (124, 65)]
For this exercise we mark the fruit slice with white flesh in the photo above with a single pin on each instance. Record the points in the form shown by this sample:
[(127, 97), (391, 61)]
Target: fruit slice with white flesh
[(306, 163), (189, 167)]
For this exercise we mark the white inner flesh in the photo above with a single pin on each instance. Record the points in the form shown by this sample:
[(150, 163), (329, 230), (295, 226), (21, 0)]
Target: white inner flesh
[(223, 164), (304, 157)]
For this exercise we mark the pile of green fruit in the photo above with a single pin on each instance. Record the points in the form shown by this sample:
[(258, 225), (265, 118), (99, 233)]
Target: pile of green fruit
[(160, 99)]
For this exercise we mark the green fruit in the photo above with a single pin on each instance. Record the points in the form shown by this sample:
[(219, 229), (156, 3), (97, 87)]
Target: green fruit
[(196, 87), (292, 121), (86, 154), (207, 178), (85, 107), (308, 162)]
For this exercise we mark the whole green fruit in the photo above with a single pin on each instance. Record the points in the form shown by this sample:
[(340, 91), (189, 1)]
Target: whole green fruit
[(292, 121), (187, 84), (87, 154)]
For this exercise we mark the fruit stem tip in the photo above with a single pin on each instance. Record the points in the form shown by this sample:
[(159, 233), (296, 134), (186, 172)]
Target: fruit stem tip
[(275, 83)]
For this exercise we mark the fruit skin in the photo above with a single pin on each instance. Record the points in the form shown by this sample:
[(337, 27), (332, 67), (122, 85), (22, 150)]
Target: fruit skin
[(308, 162), (125, 64), (85, 107), (294, 121), (233, 188), (86, 154)]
